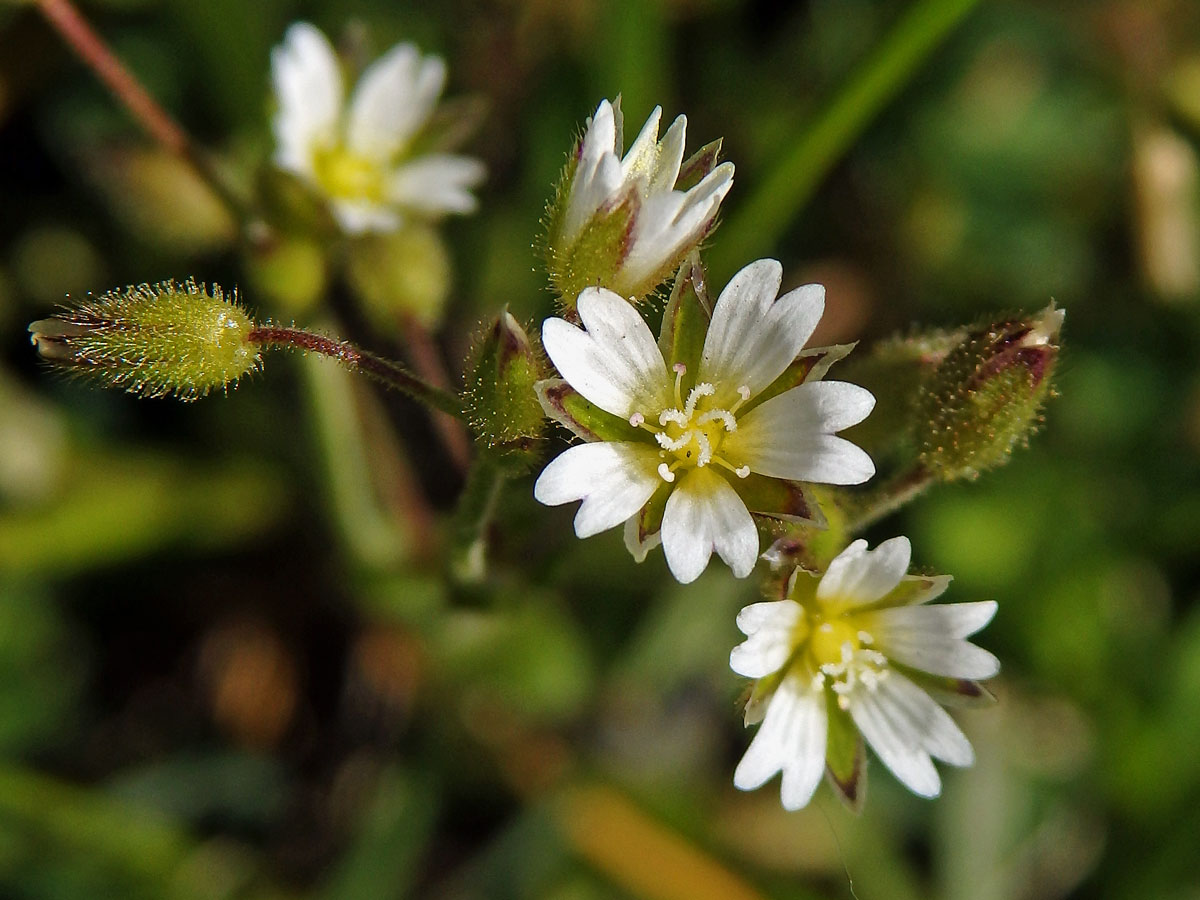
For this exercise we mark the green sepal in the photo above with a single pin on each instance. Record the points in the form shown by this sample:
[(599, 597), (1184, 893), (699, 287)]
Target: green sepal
[(810, 365), (686, 318), (845, 757), (957, 692), (504, 367), (580, 416), (642, 529), (596, 254), (777, 498), (698, 165)]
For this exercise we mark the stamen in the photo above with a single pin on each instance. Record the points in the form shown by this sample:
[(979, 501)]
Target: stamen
[(680, 371), (742, 471), (744, 393), (637, 420), (665, 472)]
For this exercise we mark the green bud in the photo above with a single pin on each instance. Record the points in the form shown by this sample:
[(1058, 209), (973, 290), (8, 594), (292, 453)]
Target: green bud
[(400, 274), (502, 406), (986, 395), (153, 340)]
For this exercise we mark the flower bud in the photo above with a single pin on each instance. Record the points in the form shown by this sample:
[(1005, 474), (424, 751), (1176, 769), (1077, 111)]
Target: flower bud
[(153, 340), (986, 395), (502, 406), (626, 223)]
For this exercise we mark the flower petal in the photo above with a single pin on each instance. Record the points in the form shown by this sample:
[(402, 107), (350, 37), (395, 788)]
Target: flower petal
[(938, 734), (895, 741), (931, 638), (754, 336), (308, 90), (669, 222), (791, 738), (643, 152), (859, 576), (358, 217), (668, 157), (790, 436), (615, 362), (769, 628), (394, 98), (438, 183), (703, 514), (597, 173), (613, 480)]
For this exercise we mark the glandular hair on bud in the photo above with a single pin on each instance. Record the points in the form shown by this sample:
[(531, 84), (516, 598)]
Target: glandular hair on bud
[(502, 406), (159, 340), (986, 395)]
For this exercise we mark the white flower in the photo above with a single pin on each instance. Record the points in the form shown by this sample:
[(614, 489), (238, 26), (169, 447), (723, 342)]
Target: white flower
[(355, 154), (693, 442), (665, 223), (857, 650)]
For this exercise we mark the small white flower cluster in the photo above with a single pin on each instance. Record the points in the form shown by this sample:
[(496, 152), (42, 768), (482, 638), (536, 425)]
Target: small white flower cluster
[(847, 656), (357, 155)]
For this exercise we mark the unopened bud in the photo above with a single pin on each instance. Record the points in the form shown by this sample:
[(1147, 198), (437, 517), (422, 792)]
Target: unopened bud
[(153, 340), (502, 405), (627, 222), (986, 395)]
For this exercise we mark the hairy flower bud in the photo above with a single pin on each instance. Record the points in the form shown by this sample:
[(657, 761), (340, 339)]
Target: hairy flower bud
[(986, 395), (626, 222), (502, 406), (153, 340)]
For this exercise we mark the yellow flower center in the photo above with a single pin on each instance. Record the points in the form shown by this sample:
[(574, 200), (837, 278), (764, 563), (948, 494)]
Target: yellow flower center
[(828, 642), (348, 176), (690, 433)]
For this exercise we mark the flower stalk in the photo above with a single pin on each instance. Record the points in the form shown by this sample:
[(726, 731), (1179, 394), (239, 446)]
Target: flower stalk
[(385, 371), (116, 76)]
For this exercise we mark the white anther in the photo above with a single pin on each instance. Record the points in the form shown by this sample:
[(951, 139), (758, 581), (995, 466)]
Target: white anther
[(665, 471), (742, 471), (637, 420)]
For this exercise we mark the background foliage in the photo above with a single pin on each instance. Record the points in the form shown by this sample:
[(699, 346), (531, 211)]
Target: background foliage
[(229, 667)]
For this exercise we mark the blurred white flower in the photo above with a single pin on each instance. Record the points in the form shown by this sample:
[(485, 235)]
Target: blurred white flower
[(658, 224), (858, 651), (698, 441), (357, 154)]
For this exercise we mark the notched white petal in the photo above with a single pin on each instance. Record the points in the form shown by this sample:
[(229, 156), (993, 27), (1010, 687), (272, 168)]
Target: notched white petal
[(790, 436), (704, 514), (754, 336), (863, 576), (613, 479), (792, 739), (614, 360)]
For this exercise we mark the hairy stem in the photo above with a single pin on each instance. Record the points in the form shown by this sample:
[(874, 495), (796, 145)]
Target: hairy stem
[(868, 508), (389, 373)]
